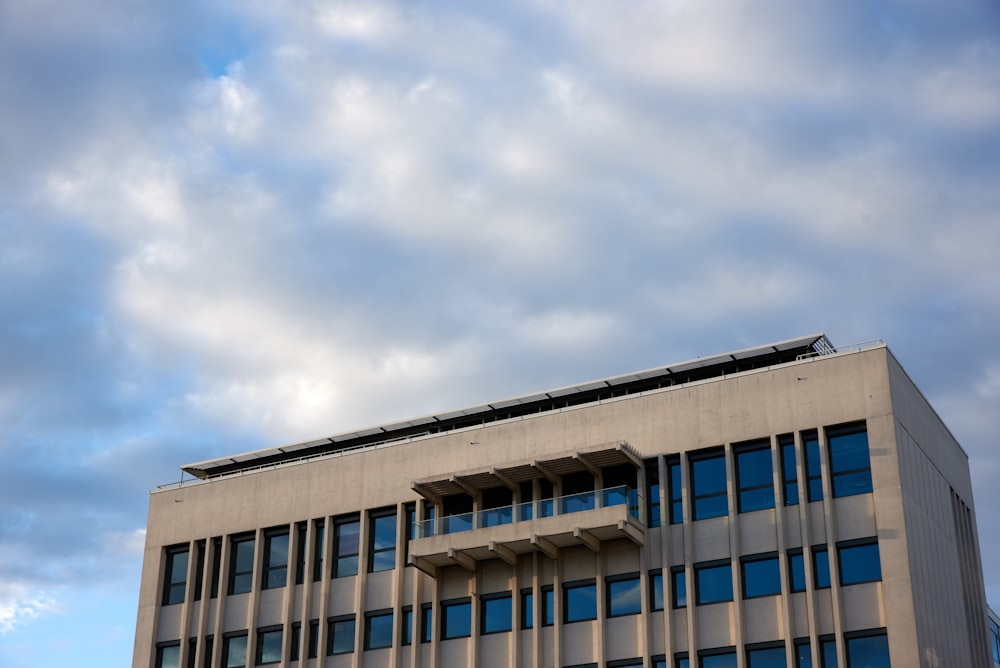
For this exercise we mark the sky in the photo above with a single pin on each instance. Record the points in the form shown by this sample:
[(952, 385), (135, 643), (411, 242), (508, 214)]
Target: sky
[(227, 225)]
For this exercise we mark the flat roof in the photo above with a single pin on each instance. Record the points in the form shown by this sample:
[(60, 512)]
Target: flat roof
[(771, 354)]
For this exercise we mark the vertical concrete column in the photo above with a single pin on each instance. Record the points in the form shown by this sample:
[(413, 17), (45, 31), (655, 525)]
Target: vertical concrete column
[(829, 519), (688, 512), (360, 587), (324, 597), (305, 605), (256, 587), (220, 602), (805, 529), (782, 535), (734, 555), (206, 593), (666, 549), (288, 594)]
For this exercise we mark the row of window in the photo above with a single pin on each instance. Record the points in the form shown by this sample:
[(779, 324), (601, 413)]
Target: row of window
[(864, 649), (848, 459), (274, 573)]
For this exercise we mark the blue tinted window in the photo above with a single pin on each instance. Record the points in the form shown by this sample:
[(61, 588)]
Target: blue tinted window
[(723, 660), (346, 533), (168, 656), (754, 477), (676, 503), (803, 654), (624, 596), (761, 577), (548, 606), (269, 646), (868, 651), (708, 482), (814, 478), (497, 613), (527, 609), (653, 493), (426, 622), (341, 636), (683, 662), (859, 563), (680, 587), (456, 619), (656, 590), (821, 567), (382, 542), (378, 630), (275, 560), (241, 565), (176, 576), (579, 601), (828, 653), (796, 571), (406, 627), (850, 466), (713, 583), (234, 651), (769, 657), (789, 476)]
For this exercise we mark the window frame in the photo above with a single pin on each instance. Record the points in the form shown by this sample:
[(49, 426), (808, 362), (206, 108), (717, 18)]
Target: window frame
[(635, 579), (345, 564), (696, 460), (340, 626), (717, 651), (654, 511), (844, 481), (527, 603), (742, 454), (485, 602), (406, 626), (269, 568), (262, 634), (375, 551), (237, 577), (678, 577), (753, 648), (704, 567), (161, 648), (656, 591), (794, 555), (373, 616), (850, 546), (675, 489), (548, 603), (426, 622), (568, 590), (813, 464), (295, 642), (774, 560), (788, 458), (821, 571), (852, 636), (451, 607), (227, 646), (171, 587)]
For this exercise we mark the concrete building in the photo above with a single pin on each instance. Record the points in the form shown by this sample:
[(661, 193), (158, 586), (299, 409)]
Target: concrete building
[(787, 505)]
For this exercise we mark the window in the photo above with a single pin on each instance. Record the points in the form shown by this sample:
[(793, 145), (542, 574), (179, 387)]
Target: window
[(527, 609), (761, 575), (301, 529), (234, 650), (497, 613), (659, 661), (406, 626), (681, 660), (674, 488), (192, 649), (216, 564), (803, 653), (680, 586), (241, 564), (382, 541), (766, 655), (713, 582), (168, 655), (319, 526), (426, 617), (867, 649), (296, 641), (814, 476), (859, 561), (754, 476), (789, 475), (275, 572), (624, 595), (409, 519), (175, 575), (199, 569), (340, 635), (456, 618), (548, 605), (708, 483), (579, 601), (821, 567), (653, 492), (625, 663), (717, 658), (850, 465), (995, 640), (796, 570), (346, 532), (209, 650), (378, 629), (656, 589), (827, 652), (268, 646), (313, 638)]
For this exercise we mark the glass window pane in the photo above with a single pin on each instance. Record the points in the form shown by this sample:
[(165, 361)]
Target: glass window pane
[(788, 472), (169, 656), (797, 571), (810, 443), (753, 467), (456, 620), (378, 631), (269, 646), (384, 532), (772, 657), (406, 627), (341, 636), (548, 606), (850, 466), (624, 597), (676, 507), (868, 652), (235, 652), (580, 602), (821, 567), (497, 614), (761, 577), (713, 584), (426, 626), (803, 654), (680, 588), (828, 653), (727, 660), (527, 609), (656, 590), (859, 563)]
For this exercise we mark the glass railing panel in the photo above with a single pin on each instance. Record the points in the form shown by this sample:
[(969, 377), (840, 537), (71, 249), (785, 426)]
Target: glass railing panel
[(575, 503), (495, 516), (546, 508)]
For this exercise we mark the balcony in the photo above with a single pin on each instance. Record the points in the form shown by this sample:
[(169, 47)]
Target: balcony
[(544, 525)]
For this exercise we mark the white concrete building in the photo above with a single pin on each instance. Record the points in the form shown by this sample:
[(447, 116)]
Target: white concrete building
[(789, 505)]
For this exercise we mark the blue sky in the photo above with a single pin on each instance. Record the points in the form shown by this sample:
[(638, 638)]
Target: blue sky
[(227, 225)]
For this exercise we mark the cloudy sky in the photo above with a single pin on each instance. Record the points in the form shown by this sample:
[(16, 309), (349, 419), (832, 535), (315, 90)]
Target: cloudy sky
[(228, 224)]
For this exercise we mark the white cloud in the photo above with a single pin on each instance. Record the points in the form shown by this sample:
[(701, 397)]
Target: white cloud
[(19, 605)]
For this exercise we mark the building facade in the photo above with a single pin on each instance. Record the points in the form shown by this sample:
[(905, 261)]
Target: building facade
[(790, 505)]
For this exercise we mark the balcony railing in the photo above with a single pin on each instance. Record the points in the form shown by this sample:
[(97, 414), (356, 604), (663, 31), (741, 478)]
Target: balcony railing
[(529, 510)]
